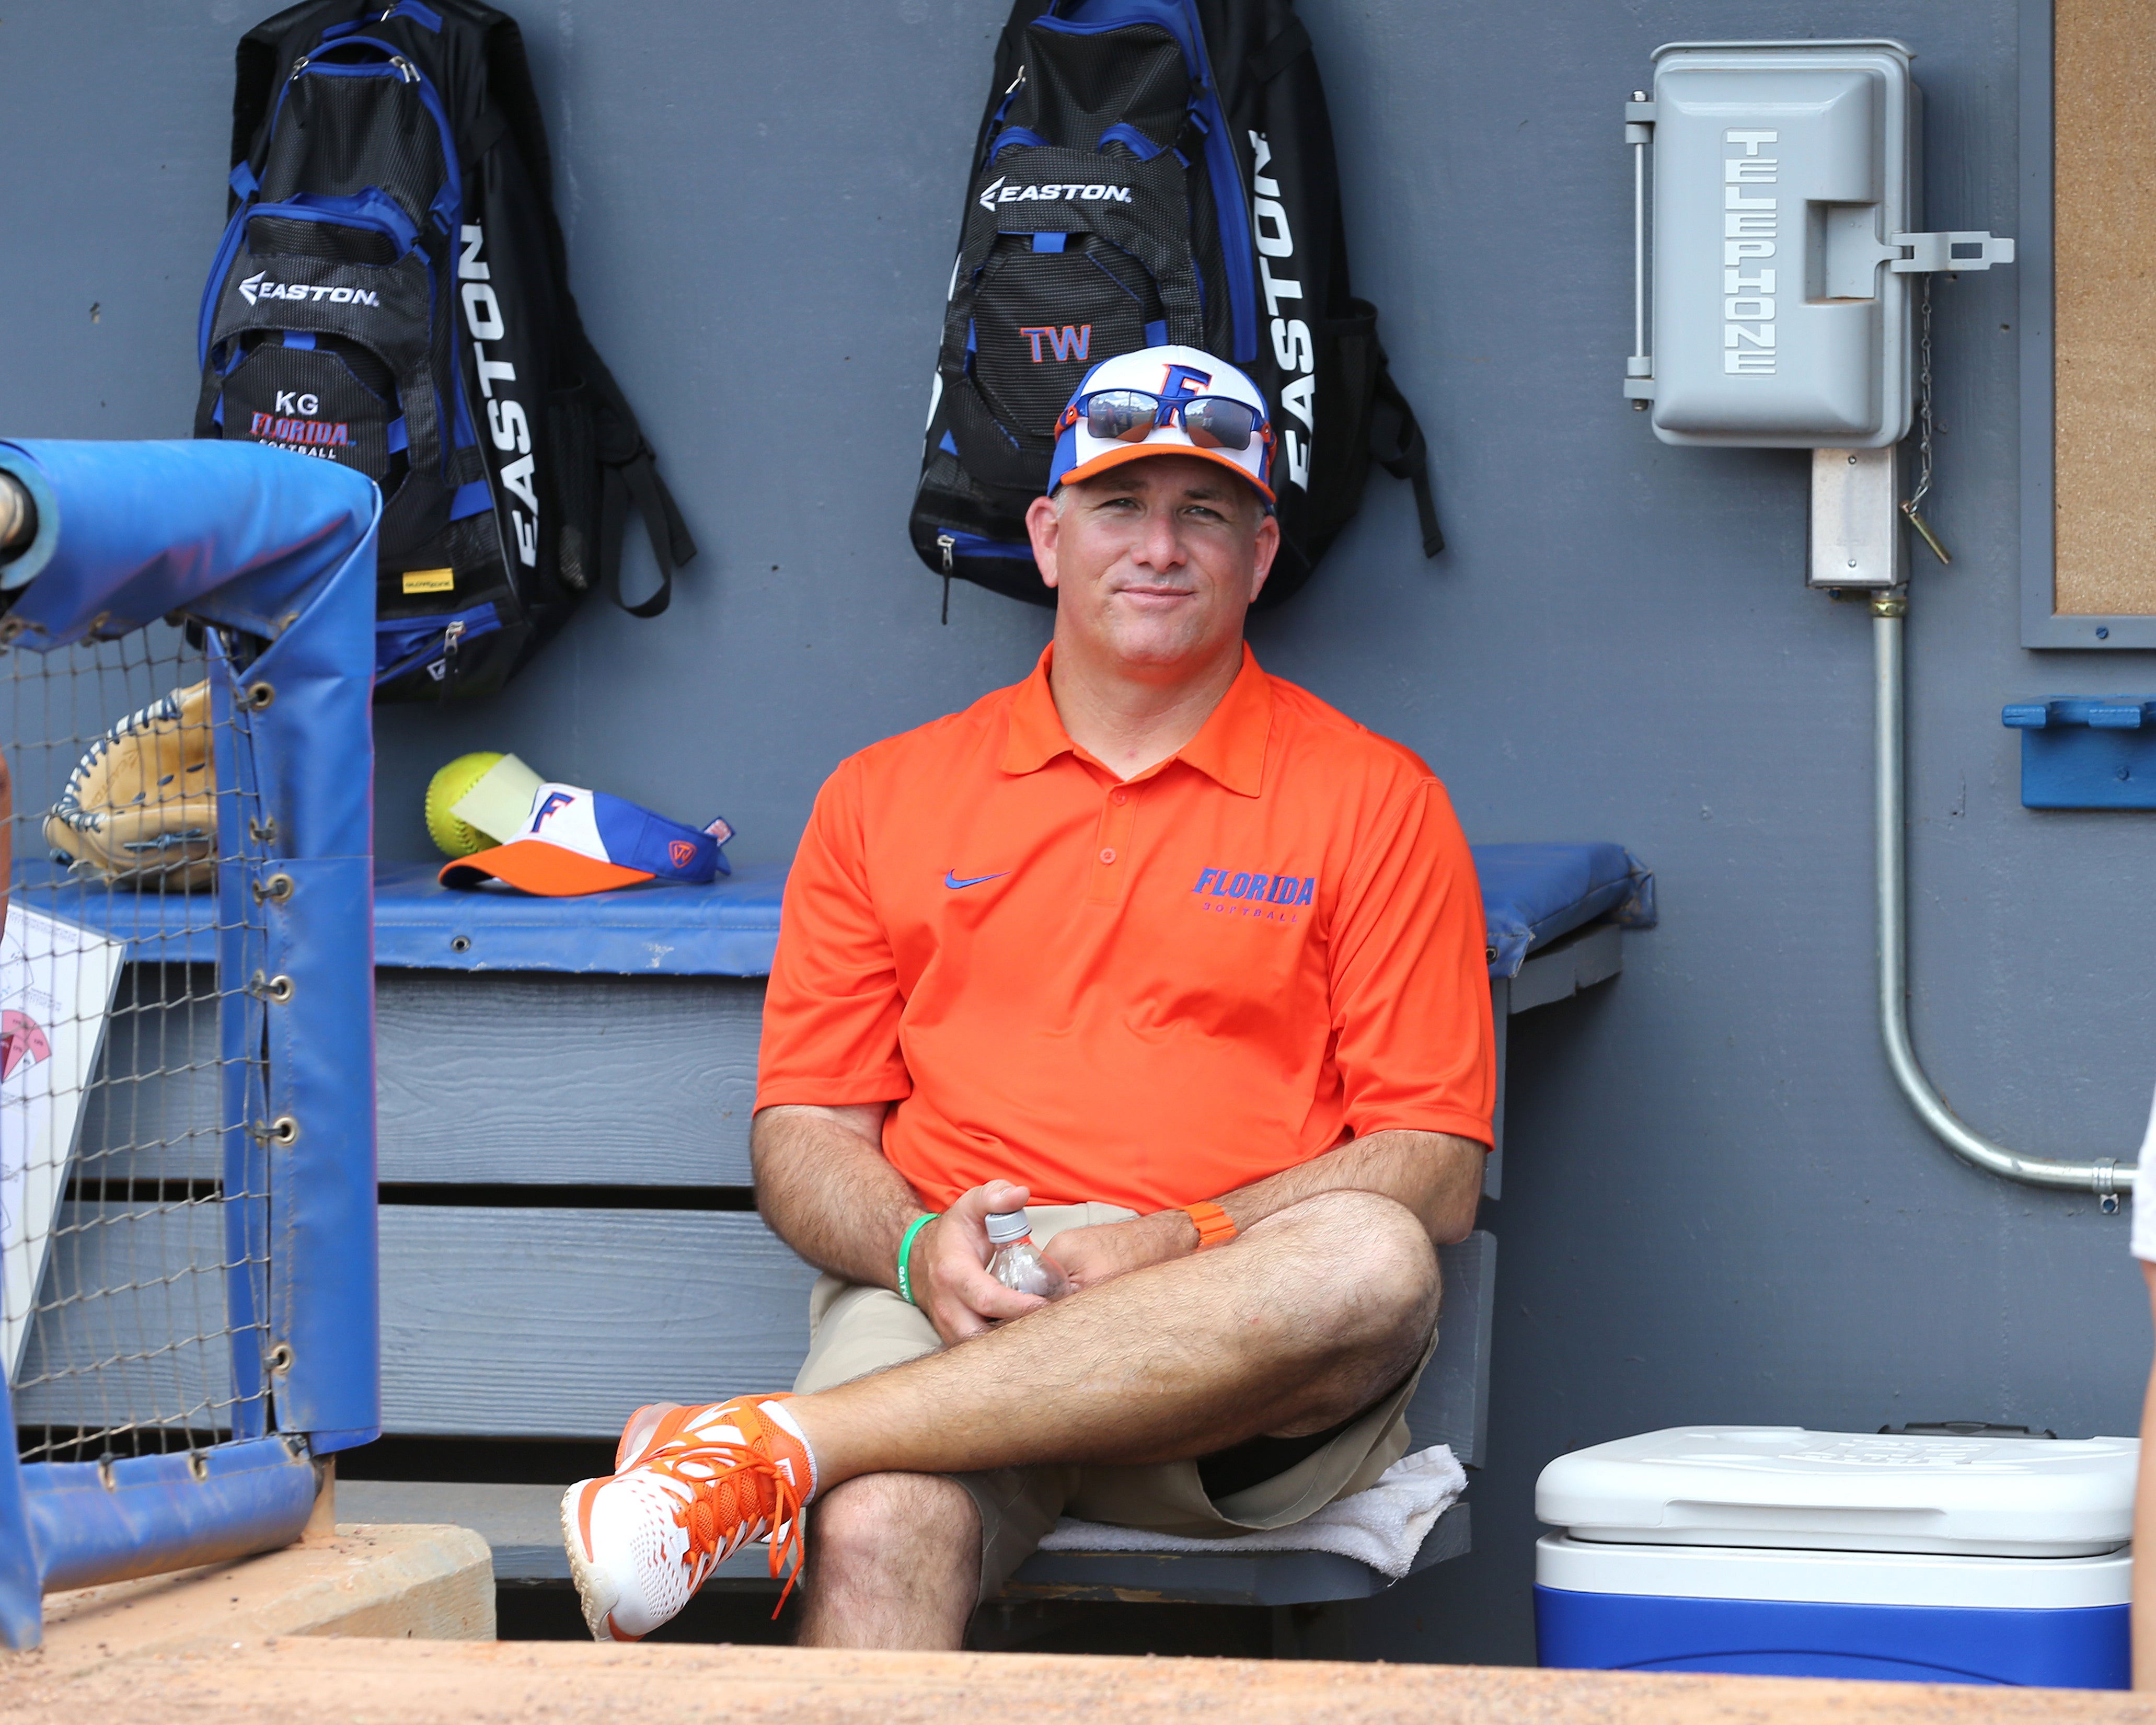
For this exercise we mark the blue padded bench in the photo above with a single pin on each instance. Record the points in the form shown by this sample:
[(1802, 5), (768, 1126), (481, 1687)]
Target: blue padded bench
[(1531, 895), (611, 1042)]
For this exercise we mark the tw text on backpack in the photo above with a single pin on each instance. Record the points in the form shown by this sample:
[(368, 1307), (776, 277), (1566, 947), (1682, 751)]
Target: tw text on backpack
[(392, 293), (1151, 172)]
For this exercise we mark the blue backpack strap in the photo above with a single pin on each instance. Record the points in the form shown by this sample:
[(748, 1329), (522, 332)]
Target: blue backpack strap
[(220, 267), (1231, 201), (1131, 138), (1018, 136)]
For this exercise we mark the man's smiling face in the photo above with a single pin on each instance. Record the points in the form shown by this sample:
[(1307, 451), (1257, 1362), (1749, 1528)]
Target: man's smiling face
[(1154, 562)]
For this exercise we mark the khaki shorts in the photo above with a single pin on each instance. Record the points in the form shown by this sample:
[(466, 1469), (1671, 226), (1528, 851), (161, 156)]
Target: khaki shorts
[(854, 1331)]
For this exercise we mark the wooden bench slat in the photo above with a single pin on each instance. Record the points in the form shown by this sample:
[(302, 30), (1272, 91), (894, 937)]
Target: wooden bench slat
[(525, 1077), (561, 1323), (558, 1323)]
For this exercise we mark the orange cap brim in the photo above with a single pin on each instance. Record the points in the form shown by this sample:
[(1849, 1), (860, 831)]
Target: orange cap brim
[(534, 866), (1117, 457)]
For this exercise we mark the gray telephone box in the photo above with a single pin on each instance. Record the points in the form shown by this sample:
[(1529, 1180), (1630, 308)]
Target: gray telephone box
[(1786, 190)]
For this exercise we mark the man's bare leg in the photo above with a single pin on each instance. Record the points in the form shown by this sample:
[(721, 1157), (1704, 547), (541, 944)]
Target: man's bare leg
[(894, 1561), (1311, 1315)]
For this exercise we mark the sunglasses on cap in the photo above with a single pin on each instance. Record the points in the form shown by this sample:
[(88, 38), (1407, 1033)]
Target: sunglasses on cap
[(1131, 416)]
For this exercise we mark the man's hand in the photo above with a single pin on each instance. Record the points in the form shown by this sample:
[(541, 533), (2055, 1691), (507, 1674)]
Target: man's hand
[(949, 1265), (1090, 1256)]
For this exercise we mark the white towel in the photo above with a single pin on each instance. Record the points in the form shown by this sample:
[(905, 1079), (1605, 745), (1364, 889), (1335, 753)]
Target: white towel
[(1382, 1527)]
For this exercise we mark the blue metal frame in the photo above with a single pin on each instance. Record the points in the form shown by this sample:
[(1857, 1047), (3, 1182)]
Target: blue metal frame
[(260, 544)]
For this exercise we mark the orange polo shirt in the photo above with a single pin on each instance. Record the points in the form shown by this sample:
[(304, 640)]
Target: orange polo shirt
[(1145, 992)]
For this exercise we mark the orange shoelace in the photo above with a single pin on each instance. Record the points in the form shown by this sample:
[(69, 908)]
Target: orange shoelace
[(736, 1497)]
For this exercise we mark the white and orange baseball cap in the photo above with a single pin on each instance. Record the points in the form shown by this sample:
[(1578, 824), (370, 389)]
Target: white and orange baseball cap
[(576, 841), (1164, 401)]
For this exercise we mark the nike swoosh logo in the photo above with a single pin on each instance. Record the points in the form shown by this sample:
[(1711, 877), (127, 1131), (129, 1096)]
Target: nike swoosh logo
[(952, 880)]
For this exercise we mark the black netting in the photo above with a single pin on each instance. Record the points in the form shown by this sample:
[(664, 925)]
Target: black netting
[(337, 136), (1043, 319), (281, 236), (134, 1274), (1077, 86)]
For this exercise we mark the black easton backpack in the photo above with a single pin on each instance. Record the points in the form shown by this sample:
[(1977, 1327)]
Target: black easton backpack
[(1153, 170), (392, 293)]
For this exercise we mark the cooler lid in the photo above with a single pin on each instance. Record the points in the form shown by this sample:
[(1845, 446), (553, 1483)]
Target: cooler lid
[(1783, 1487)]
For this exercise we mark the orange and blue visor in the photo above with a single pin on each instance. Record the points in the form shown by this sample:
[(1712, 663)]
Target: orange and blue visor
[(576, 841)]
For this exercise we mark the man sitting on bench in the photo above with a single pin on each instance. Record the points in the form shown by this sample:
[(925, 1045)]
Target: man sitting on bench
[(1168, 950)]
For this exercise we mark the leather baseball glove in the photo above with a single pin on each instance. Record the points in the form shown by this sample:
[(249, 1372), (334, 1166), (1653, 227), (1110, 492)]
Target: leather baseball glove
[(141, 806)]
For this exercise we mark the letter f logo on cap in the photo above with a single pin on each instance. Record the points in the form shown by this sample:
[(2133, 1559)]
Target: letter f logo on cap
[(1180, 383)]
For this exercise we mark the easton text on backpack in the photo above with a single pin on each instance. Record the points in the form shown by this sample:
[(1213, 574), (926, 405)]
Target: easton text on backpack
[(1149, 171), (392, 293)]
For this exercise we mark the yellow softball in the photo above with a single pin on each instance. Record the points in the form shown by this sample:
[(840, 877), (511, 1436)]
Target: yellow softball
[(456, 838)]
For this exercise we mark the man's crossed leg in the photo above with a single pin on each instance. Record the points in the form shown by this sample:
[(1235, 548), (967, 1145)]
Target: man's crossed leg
[(1313, 1314)]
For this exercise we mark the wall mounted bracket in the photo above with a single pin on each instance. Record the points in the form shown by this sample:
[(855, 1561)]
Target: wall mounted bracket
[(2085, 752)]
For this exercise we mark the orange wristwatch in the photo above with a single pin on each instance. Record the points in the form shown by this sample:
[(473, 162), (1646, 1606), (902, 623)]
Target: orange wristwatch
[(1214, 1227)]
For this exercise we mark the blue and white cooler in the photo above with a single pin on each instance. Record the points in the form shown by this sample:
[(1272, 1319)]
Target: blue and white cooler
[(1771, 1549)]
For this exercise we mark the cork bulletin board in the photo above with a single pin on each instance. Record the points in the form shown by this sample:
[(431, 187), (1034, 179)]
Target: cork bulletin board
[(2089, 443)]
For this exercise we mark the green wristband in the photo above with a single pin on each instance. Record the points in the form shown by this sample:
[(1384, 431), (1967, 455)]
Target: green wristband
[(906, 1251)]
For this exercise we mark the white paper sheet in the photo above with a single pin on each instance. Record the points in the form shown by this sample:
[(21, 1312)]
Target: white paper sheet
[(56, 983)]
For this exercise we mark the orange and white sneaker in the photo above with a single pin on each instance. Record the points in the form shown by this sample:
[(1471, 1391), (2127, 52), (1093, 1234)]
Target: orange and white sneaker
[(691, 1485)]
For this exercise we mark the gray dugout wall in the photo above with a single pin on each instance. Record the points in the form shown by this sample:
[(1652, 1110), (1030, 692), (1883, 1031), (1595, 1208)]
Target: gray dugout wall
[(1716, 1207)]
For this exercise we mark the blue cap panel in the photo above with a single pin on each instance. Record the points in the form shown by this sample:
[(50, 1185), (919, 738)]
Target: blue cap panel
[(637, 839)]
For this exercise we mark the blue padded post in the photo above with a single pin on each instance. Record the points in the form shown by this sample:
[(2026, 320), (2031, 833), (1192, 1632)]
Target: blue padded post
[(151, 1513), (280, 548), (315, 754), (237, 534)]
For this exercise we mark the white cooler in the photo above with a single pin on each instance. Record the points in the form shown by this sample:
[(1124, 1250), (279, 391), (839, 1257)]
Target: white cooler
[(1978, 1559)]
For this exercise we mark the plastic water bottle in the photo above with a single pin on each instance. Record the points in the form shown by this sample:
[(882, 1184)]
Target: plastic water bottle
[(1018, 1263)]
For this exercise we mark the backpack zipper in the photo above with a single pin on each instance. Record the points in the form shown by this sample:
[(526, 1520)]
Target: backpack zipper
[(435, 647), (946, 544), (439, 670)]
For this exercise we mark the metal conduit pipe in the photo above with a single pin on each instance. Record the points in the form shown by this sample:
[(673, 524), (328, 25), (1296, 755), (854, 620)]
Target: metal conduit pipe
[(2104, 1176)]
